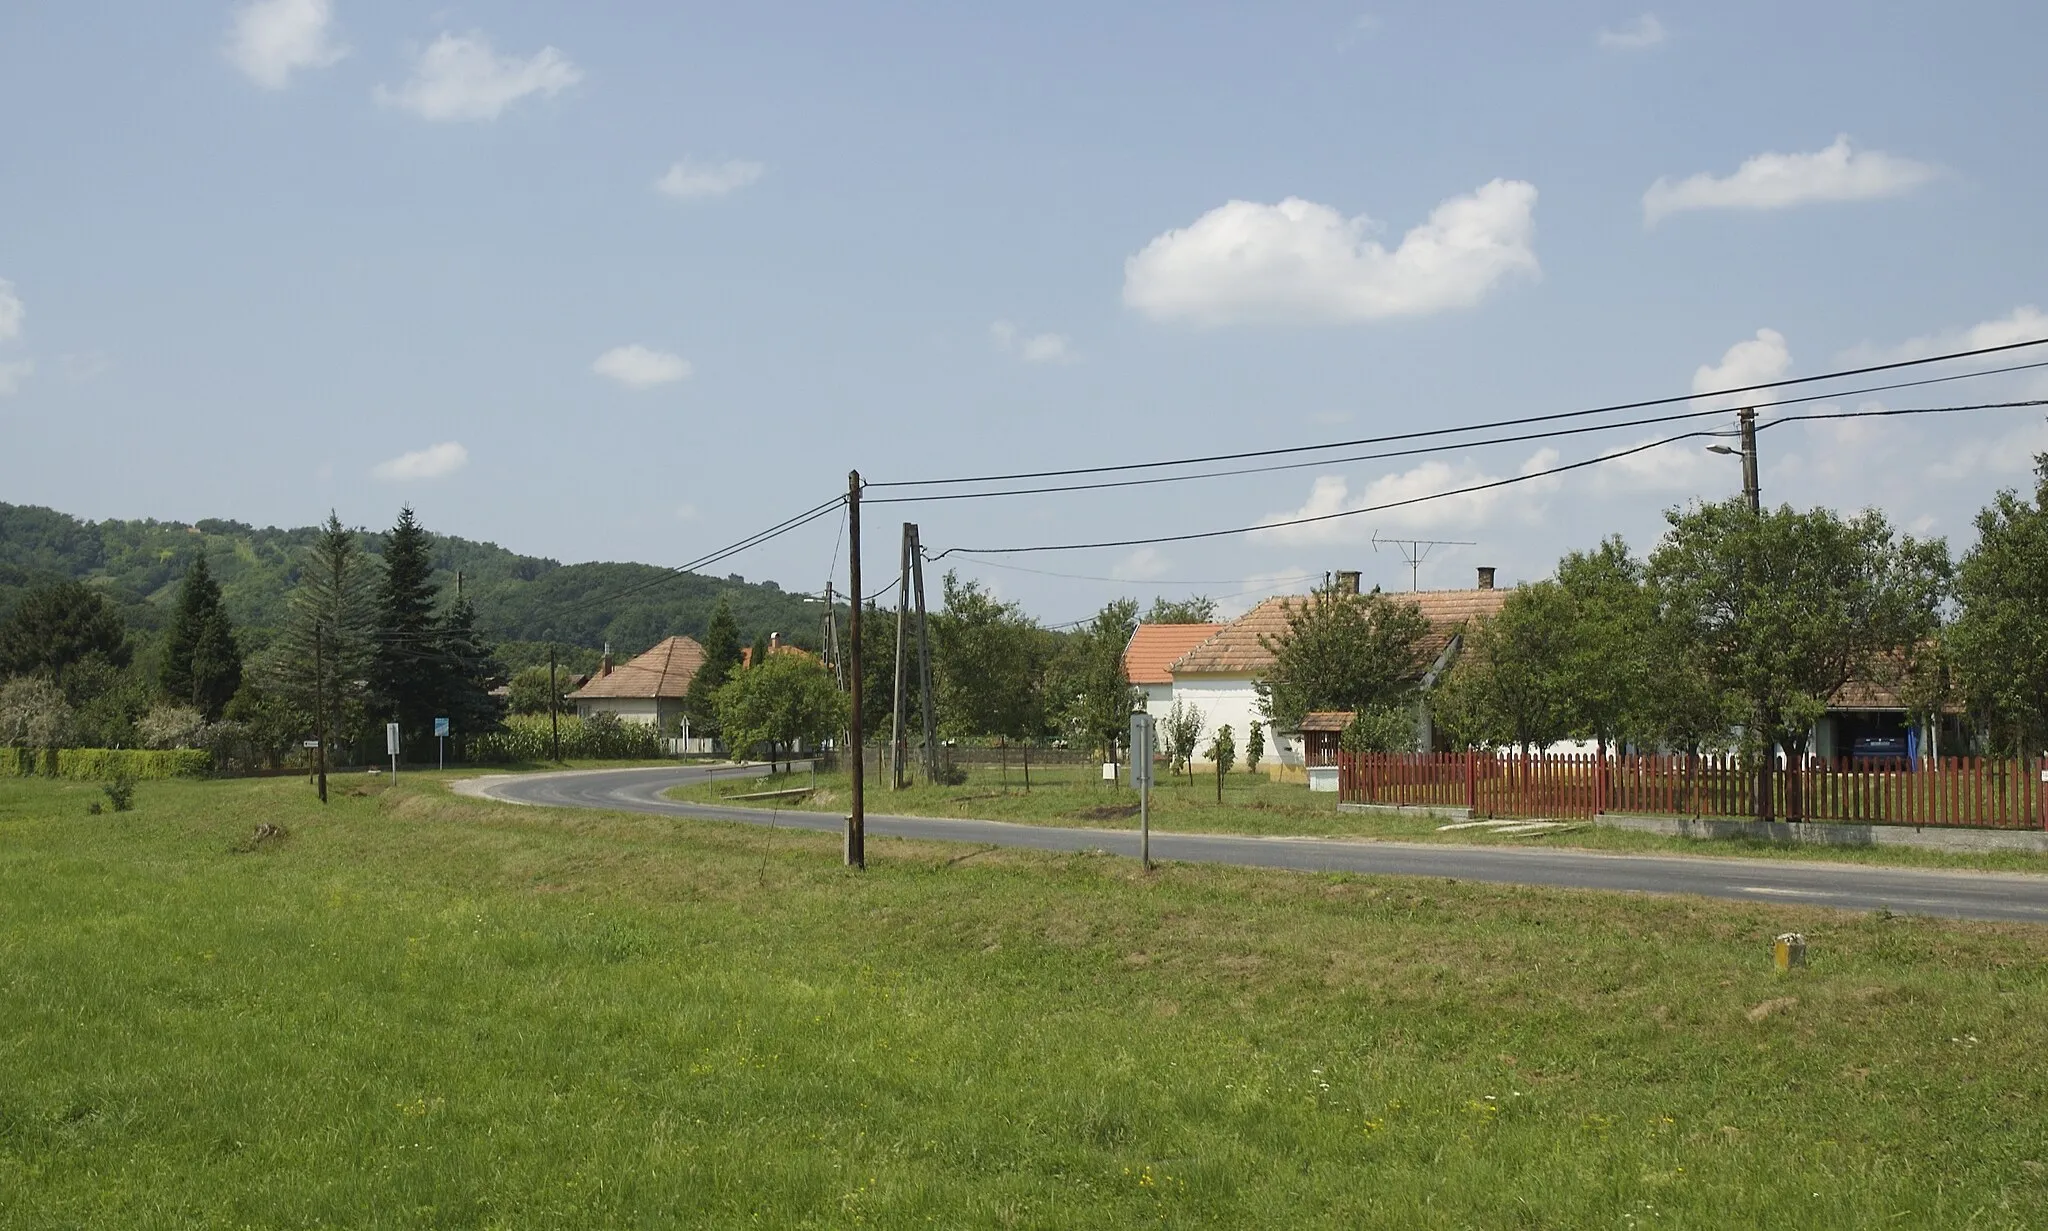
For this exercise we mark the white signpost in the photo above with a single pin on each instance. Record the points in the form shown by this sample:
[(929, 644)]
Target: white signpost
[(391, 745), (1141, 778), (441, 734)]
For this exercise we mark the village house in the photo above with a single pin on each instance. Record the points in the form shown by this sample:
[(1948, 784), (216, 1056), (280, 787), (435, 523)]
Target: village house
[(648, 689)]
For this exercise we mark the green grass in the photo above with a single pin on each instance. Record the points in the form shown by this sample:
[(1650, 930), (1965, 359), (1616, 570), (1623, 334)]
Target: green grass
[(423, 1010), (1252, 804)]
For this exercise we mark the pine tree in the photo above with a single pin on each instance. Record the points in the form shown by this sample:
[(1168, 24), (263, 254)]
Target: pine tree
[(409, 673), (760, 651), (472, 670), (324, 649), (202, 665), (721, 655)]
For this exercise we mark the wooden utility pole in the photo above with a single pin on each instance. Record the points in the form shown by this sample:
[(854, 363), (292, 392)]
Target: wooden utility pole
[(857, 818), (320, 707), (924, 662), (554, 719), (1753, 494), (897, 742)]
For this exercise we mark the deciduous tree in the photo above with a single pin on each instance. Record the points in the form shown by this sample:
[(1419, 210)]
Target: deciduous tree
[(1999, 642), (784, 700), (1343, 652), (1199, 609)]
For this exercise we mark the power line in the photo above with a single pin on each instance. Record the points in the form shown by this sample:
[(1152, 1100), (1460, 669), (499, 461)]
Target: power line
[(1446, 447), (1479, 427), (724, 553), (1130, 581), (1463, 491)]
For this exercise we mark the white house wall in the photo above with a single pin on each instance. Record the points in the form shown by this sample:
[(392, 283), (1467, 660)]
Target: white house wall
[(645, 711), (1230, 699)]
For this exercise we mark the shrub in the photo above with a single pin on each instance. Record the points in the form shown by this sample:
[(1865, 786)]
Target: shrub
[(120, 792), (99, 764), (602, 737)]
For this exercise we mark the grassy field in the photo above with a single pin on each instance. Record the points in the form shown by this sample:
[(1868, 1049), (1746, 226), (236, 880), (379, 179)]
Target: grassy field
[(414, 1009), (1254, 805)]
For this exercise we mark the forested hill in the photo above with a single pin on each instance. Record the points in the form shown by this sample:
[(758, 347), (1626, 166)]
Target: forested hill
[(518, 598)]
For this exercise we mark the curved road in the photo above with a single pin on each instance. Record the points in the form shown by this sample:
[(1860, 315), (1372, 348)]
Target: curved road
[(1962, 895)]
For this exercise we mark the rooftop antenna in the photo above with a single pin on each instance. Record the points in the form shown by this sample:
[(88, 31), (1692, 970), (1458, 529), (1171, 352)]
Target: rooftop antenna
[(1415, 551)]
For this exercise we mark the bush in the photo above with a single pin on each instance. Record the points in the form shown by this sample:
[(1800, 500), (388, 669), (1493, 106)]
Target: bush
[(121, 791), (99, 764), (602, 737)]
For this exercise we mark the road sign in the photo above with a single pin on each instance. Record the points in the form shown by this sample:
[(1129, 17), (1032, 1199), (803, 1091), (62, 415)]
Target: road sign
[(311, 743), (1142, 744), (391, 739), (440, 728)]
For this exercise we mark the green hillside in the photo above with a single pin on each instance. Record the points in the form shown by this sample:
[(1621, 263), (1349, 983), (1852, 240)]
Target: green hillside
[(519, 598)]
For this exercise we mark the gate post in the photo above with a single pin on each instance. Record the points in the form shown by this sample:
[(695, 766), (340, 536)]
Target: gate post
[(1472, 781)]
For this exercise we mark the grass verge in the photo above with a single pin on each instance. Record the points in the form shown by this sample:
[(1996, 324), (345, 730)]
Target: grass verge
[(414, 1009), (1253, 805)]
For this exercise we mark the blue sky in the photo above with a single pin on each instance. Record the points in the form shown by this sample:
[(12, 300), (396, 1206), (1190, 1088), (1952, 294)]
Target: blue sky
[(631, 281)]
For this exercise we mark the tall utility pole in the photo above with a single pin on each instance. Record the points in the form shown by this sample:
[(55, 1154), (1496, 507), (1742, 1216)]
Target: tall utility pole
[(1753, 493), (897, 742), (857, 818), (833, 653), (924, 663), (554, 719), (320, 707)]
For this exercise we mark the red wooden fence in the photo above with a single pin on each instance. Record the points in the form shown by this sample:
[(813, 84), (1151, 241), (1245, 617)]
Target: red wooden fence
[(1953, 791)]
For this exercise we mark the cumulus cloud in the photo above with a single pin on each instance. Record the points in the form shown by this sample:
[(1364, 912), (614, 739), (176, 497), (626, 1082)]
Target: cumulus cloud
[(2023, 324), (12, 373), (459, 77), (433, 462), (640, 367), (2007, 455), (1032, 347), (11, 312), (269, 40), (1780, 181), (1330, 495), (1644, 31), (691, 181), (1300, 260), (1752, 361), (1144, 564)]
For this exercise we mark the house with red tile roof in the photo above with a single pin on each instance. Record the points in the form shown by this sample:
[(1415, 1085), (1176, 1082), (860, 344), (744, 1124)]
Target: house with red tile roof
[(1219, 676), (648, 689), (1149, 658)]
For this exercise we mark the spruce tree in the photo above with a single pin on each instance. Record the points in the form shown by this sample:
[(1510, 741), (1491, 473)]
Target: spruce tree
[(721, 654), (472, 671), (202, 665), (324, 648), (409, 673), (760, 651)]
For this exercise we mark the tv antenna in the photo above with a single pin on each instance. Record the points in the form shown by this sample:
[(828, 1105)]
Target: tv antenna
[(1415, 551)]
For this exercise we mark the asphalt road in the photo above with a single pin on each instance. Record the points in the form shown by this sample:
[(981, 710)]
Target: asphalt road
[(1856, 887)]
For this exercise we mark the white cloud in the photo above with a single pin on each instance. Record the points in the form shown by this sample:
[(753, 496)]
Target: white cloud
[(1300, 260), (11, 312), (433, 462), (459, 77), (2023, 324), (639, 367), (1644, 31), (271, 39), (2008, 454), (1779, 181), (12, 373), (690, 181), (1684, 467), (1752, 361), (1331, 494), (1144, 564), (1032, 347)]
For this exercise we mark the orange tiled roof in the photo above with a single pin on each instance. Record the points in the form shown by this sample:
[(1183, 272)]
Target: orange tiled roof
[(1148, 659), (1238, 648), (664, 671), (779, 647)]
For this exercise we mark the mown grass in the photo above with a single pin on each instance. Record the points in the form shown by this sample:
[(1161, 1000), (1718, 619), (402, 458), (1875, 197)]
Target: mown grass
[(421, 1010), (1252, 804)]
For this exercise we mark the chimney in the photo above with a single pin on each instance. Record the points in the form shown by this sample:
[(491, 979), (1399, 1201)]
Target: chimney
[(1347, 582), (605, 668), (1486, 577), (774, 642)]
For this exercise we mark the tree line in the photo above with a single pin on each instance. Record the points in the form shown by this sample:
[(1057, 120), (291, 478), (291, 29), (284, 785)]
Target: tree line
[(364, 640)]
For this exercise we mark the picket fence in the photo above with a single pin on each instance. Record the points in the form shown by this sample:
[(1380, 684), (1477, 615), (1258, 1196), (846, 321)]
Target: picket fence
[(1978, 792)]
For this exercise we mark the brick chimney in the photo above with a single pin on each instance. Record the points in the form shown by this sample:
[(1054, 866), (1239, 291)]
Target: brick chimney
[(605, 666), (1486, 577), (1347, 582)]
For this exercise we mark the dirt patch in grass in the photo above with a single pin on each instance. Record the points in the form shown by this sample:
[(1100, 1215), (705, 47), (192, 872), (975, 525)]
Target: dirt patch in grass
[(1105, 812)]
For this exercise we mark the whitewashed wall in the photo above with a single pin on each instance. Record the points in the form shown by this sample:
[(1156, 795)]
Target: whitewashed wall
[(1229, 699)]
